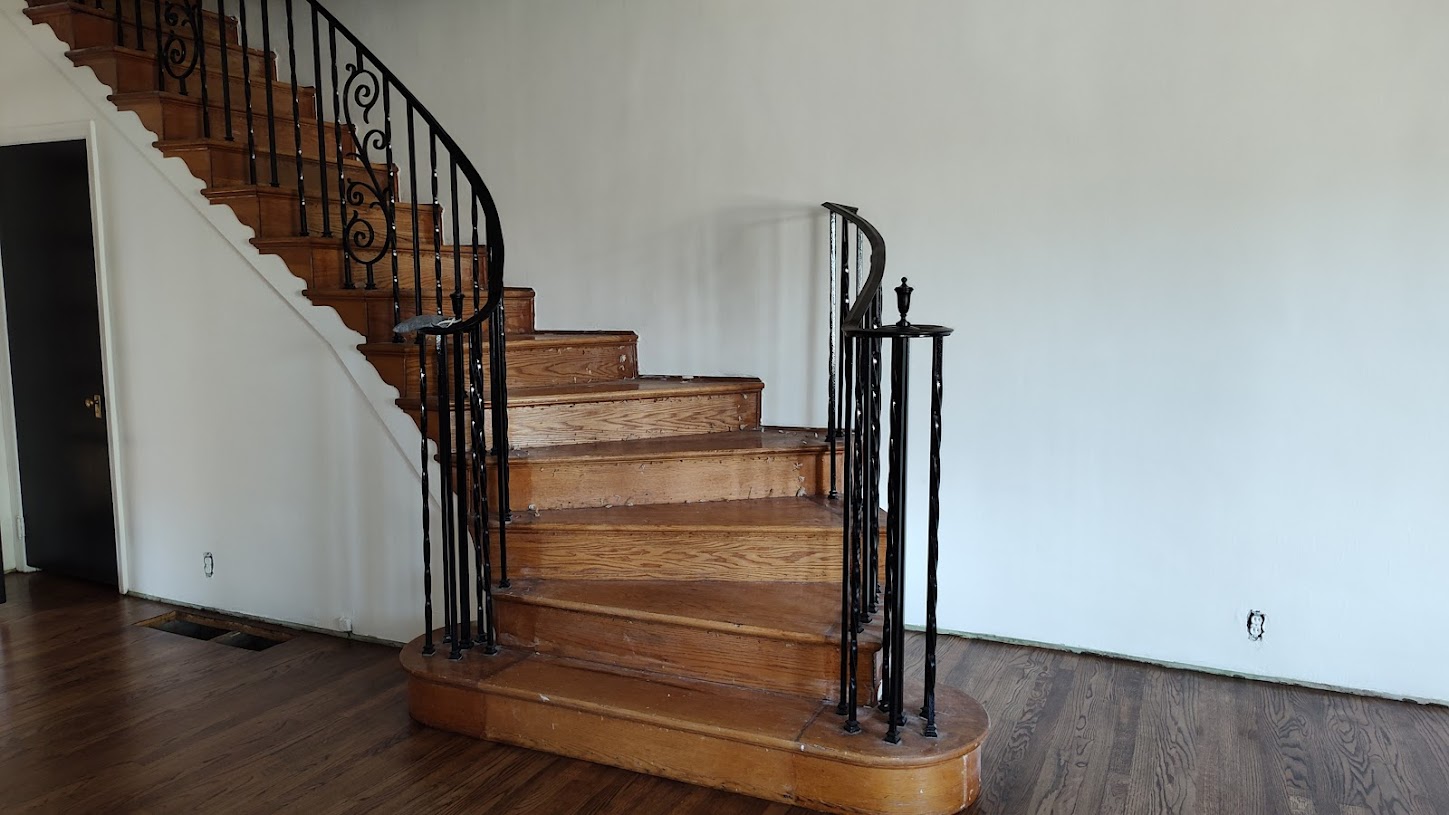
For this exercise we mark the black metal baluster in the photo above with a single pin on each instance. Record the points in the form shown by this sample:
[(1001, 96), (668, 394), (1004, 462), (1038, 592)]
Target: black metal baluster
[(933, 538), (848, 638), (457, 257), (270, 76), (198, 28), (499, 415), (140, 28), (347, 281), (417, 238), (832, 419), (121, 26), (225, 70), (460, 486), (445, 468), (391, 203), (297, 124), (873, 451), (428, 649), (487, 628), (160, 41), (474, 256), (321, 135), (437, 224), (247, 95)]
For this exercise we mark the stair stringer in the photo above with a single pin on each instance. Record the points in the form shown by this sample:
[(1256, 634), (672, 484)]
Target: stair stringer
[(328, 326)]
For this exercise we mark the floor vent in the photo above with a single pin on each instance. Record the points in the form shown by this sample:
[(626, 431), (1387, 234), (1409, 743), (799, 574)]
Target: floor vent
[(236, 633)]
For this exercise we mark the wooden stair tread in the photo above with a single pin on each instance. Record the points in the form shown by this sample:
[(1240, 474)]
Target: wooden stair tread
[(533, 339), (647, 387), (384, 291), (756, 514), (734, 442), (800, 612), (779, 721), (125, 99)]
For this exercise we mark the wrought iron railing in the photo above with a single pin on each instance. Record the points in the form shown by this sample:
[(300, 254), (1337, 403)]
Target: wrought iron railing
[(410, 212), (855, 401)]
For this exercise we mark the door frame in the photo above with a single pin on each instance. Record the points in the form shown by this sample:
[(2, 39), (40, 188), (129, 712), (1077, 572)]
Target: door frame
[(10, 505)]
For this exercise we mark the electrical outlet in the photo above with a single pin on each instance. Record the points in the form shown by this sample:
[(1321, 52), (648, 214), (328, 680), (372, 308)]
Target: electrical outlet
[(344, 623), (1256, 621), (208, 564)]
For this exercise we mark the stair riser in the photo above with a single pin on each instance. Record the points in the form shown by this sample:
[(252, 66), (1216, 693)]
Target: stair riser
[(633, 419), (82, 30), (597, 483), (530, 366), (104, 20), (279, 215), (607, 554), (808, 669), (794, 777), (128, 71), (323, 267), (374, 319), (171, 117), (577, 423)]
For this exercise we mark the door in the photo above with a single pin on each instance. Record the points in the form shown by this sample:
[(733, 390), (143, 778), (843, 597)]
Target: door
[(47, 253)]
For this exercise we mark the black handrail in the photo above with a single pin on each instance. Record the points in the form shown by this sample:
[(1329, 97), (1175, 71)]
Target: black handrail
[(856, 401), (364, 215)]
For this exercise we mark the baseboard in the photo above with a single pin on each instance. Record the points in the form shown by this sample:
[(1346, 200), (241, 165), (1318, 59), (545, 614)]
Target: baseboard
[(1203, 669), (287, 624)]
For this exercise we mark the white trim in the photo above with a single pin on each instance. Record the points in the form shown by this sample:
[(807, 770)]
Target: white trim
[(10, 503)]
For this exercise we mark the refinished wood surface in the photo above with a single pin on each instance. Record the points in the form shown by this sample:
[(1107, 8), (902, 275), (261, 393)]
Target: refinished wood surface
[(99, 716)]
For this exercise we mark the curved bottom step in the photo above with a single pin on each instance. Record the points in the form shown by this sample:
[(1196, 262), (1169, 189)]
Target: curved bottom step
[(767, 745)]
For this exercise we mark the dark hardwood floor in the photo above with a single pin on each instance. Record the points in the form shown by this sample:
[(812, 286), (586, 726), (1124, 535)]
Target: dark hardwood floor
[(100, 716)]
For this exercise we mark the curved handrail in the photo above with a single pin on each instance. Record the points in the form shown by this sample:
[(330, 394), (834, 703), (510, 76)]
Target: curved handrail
[(860, 310), (492, 222)]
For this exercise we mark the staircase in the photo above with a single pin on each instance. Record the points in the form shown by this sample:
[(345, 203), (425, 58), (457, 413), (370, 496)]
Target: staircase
[(668, 598)]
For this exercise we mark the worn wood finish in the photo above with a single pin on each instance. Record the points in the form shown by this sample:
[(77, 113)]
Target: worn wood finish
[(220, 164), (627, 409), (785, 540), (772, 746), (778, 638), (770, 462), (534, 360), (173, 117), (98, 716), (82, 14), (274, 212), (126, 70), (83, 26), (320, 262), (369, 311)]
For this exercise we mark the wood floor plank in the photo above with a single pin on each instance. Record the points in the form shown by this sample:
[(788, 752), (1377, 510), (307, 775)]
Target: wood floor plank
[(98, 716)]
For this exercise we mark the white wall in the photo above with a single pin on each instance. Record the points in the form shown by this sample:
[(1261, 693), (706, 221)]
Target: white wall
[(1195, 252), (247, 422)]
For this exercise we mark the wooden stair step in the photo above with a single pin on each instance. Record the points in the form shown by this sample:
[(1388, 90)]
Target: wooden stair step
[(84, 26), (773, 636), (779, 747), (276, 212), (777, 540), (86, 18), (771, 462), (126, 70), (369, 311), (537, 359), (639, 408), (320, 261), (172, 117), (220, 163)]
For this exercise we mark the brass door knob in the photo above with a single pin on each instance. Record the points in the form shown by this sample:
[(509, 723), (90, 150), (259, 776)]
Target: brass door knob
[(94, 403)]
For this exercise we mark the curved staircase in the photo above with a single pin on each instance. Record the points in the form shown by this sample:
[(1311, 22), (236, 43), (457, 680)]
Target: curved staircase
[(675, 566)]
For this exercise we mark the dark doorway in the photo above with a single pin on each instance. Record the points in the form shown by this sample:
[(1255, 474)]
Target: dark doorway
[(47, 253)]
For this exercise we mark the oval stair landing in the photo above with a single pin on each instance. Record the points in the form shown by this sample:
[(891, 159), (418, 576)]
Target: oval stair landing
[(781, 747)]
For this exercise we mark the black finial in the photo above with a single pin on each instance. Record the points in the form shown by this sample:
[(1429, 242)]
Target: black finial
[(903, 300)]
